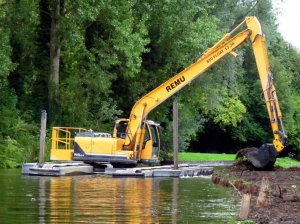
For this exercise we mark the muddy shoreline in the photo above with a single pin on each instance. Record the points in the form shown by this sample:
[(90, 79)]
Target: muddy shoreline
[(283, 203)]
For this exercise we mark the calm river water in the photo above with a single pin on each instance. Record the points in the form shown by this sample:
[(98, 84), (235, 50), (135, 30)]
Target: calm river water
[(98, 199)]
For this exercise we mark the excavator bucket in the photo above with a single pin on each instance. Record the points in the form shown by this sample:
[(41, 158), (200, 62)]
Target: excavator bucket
[(262, 157)]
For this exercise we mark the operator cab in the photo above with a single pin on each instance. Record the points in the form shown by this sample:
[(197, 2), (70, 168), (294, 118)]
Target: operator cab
[(150, 145)]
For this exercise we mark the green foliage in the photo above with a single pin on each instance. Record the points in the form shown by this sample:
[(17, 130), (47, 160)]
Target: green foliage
[(104, 43), (6, 64), (10, 154), (17, 141), (22, 20), (174, 44), (229, 112), (19, 145)]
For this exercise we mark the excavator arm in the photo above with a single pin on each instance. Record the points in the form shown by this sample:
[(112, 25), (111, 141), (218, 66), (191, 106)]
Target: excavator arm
[(225, 46), (269, 91)]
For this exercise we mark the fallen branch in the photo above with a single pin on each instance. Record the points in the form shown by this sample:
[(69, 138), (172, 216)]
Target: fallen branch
[(235, 188)]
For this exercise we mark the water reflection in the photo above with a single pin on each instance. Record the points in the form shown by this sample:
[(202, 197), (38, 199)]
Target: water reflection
[(174, 200), (98, 199), (102, 199)]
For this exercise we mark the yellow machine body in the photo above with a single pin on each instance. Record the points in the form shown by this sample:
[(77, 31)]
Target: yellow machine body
[(62, 142), (137, 139), (86, 145)]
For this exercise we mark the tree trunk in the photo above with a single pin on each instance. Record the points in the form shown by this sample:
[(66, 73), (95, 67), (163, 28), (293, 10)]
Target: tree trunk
[(55, 47), (245, 206), (263, 193)]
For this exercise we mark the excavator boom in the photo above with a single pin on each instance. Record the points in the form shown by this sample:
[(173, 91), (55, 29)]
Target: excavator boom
[(265, 156), (225, 46), (138, 140)]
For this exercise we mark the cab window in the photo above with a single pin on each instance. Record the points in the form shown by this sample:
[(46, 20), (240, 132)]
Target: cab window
[(147, 134), (147, 137), (154, 134), (121, 129)]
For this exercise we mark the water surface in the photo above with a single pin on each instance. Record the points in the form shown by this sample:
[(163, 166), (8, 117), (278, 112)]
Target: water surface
[(99, 199)]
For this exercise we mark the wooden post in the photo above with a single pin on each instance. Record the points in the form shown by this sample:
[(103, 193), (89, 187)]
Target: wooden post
[(175, 133), (263, 193), (245, 206), (174, 207), (42, 138)]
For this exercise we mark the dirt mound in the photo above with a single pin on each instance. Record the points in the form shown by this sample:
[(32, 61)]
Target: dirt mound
[(294, 168), (242, 165), (284, 193)]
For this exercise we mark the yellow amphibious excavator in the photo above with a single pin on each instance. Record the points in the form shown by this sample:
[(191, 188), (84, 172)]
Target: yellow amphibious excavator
[(137, 139)]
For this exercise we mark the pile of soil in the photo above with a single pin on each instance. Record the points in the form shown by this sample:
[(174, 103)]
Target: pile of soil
[(283, 204)]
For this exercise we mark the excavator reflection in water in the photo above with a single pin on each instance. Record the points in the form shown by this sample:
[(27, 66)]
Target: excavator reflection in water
[(137, 139), (99, 199), (120, 201)]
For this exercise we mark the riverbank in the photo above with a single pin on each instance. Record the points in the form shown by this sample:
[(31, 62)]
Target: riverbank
[(283, 203)]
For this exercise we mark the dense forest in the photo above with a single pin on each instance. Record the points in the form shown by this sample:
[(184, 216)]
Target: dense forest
[(88, 62)]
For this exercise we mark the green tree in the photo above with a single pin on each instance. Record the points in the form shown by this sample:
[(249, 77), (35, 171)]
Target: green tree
[(179, 32), (16, 136), (104, 44)]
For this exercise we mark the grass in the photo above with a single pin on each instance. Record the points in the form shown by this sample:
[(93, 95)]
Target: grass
[(192, 157), (286, 162)]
